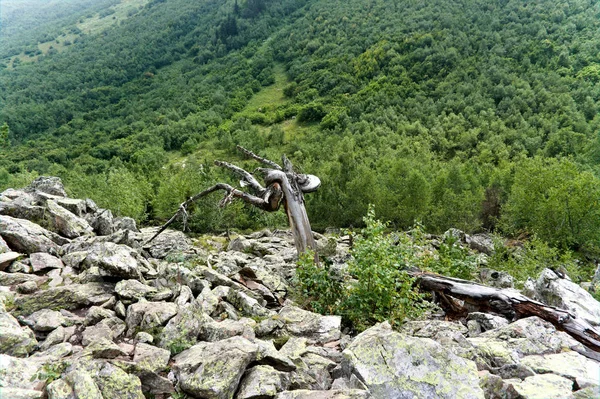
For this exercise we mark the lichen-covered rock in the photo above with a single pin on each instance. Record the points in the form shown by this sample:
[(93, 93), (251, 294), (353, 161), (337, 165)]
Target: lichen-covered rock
[(182, 331), (585, 372), (148, 315), (17, 393), (478, 322), (268, 355), (68, 297), (6, 258), (65, 222), (96, 313), (14, 339), (262, 382), (104, 348), (3, 246), (44, 320), (9, 279), (394, 365), (495, 388), (150, 357), (216, 331), (101, 221), (59, 389), (331, 394), (168, 241), (315, 327), (213, 370), (133, 289), (40, 261), (125, 223), (83, 385), (27, 237), (19, 373), (548, 386), (565, 294), (113, 259), (247, 305), (115, 383)]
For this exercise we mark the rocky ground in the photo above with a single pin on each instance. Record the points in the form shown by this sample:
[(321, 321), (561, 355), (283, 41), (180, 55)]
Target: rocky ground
[(86, 311)]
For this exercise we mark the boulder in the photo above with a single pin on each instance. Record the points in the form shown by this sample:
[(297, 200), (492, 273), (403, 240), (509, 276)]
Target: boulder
[(395, 365), (150, 357), (45, 320), (47, 184), (6, 258), (214, 370), (494, 387), (551, 386), (10, 279), (262, 382), (101, 221), (104, 348), (478, 322), (168, 241), (59, 389), (125, 223), (149, 315), (27, 237), (247, 305), (585, 372), (3, 246), (133, 289), (113, 260), (19, 373), (14, 339), (41, 260), (68, 297), (83, 385), (66, 223), (17, 393), (495, 278), (560, 292), (181, 331), (315, 327)]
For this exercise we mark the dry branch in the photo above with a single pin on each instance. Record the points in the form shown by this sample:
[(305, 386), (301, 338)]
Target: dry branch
[(510, 304)]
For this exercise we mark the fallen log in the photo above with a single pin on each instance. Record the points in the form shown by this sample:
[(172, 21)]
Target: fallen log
[(507, 303)]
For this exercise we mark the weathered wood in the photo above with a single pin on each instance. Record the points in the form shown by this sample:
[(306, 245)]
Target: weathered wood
[(510, 304), (283, 185)]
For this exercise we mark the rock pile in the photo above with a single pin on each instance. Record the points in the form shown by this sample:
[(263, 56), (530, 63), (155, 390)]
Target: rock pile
[(87, 311)]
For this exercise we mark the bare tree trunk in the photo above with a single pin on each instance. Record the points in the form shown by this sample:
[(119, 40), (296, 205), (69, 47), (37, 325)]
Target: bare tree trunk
[(507, 303), (283, 185)]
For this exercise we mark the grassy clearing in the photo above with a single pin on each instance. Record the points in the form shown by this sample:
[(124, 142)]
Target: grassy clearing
[(119, 12)]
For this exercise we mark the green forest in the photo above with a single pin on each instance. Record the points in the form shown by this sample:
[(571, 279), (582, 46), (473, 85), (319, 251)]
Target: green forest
[(471, 114)]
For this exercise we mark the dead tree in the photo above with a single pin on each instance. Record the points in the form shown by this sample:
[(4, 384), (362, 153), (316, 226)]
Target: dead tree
[(281, 186), (507, 303)]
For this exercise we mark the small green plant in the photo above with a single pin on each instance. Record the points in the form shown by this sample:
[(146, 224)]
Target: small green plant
[(383, 290), (179, 345), (454, 260), (317, 289), (50, 372)]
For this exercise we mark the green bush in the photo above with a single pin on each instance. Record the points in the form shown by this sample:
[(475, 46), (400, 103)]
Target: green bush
[(316, 288)]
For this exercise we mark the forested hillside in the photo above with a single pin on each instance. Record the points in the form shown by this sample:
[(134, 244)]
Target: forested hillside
[(470, 114)]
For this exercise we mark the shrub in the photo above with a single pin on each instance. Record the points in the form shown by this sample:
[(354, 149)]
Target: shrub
[(317, 289)]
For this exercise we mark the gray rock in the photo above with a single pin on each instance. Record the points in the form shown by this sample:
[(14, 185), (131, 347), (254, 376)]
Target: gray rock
[(96, 333), (27, 287), (563, 293), (69, 297), (14, 339), (59, 389), (217, 331), (125, 223), (3, 246), (96, 313), (9, 279), (318, 368), (101, 221), (332, 394), (113, 259), (144, 337), (27, 237), (181, 331), (395, 365), (167, 242), (262, 382), (77, 207), (17, 393), (104, 348), (585, 372), (247, 305), (83, 385), (551, 386), (47, 184), (214, 370), (66, 223), (481, 243), (148, 315), (40, 261), (315, 327), (20, 373), (44, 320), (479, 322), (268, 355), (6, 258), (115, 383), (495, 278), (133, 289), (240, 244), (151, 358), (495, 388), (57, 336)]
